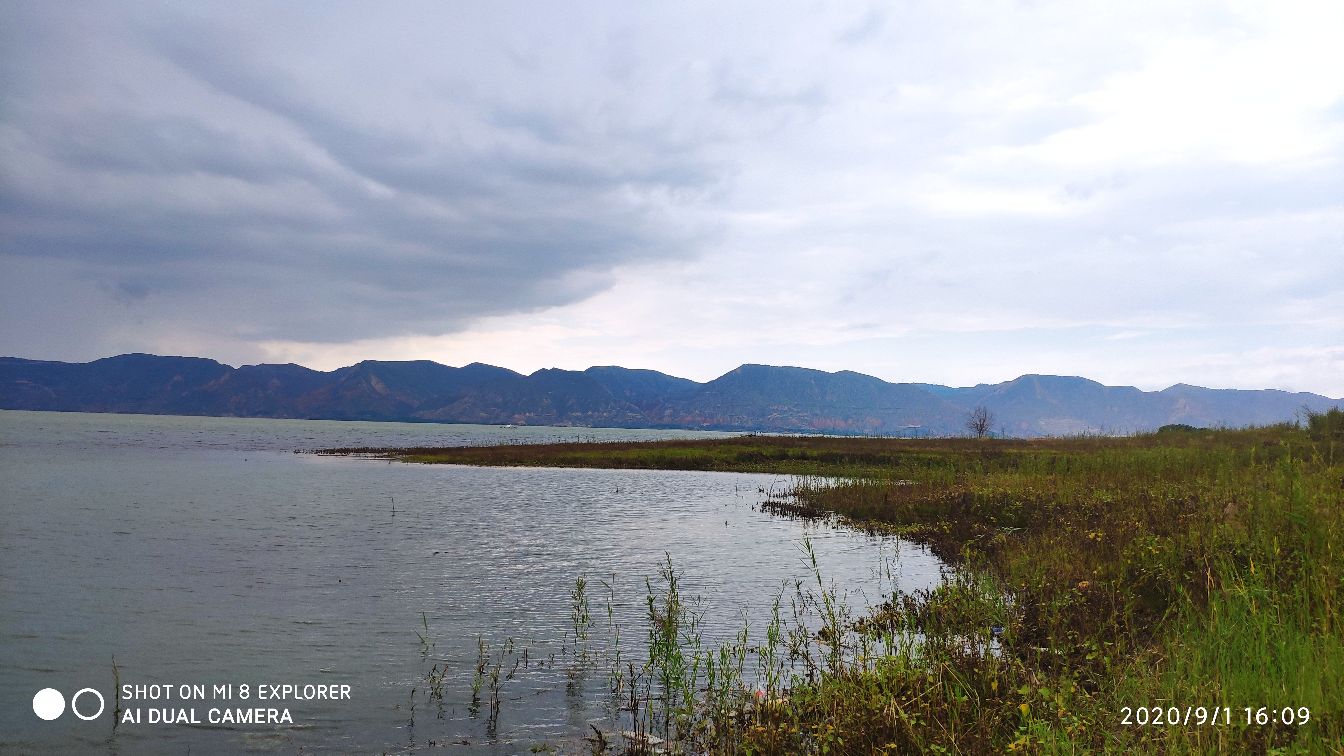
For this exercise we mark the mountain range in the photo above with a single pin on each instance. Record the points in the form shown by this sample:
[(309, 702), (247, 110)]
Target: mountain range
[(751, 397)]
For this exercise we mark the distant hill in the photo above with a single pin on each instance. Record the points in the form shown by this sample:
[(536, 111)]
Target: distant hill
[(751, 397)]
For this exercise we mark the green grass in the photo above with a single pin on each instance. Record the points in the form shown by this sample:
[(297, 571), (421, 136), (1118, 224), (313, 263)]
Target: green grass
[(1178, 569), (794, 455), (1203, 570)]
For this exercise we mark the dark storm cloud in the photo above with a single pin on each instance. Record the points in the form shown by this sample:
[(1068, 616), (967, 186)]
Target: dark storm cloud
[(697, 184), (197, 169)]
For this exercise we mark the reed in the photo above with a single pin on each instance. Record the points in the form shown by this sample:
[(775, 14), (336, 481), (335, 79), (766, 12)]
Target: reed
[(116, 691), (581, 619), (478, 679)]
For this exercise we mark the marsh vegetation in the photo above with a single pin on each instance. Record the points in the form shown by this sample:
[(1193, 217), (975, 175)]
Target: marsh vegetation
[(1198, 572)]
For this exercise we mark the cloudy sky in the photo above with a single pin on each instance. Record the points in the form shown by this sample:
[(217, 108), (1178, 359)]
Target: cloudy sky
[(1140, 193)]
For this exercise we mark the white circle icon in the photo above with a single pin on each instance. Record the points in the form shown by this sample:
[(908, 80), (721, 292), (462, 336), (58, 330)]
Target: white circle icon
[(48, 704), (74, 700)]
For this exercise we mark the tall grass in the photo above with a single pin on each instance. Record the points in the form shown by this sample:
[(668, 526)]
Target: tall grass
[(1188, 570), (1200, 571)]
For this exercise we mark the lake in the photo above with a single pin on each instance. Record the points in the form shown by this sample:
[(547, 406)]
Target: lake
[(206, 552)]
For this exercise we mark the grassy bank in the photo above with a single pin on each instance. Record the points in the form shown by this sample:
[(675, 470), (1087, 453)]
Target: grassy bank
[(877, 458), (776, 454), (1199, 570), (1105, 585)]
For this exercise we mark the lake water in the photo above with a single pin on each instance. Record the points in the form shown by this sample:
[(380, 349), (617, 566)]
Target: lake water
[(204, 551)]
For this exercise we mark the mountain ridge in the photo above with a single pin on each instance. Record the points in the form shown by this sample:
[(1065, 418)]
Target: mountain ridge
[(751, 397)]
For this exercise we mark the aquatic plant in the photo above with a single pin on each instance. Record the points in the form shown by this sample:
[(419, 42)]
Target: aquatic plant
[(478, 679), (116, 688), (581, 620)]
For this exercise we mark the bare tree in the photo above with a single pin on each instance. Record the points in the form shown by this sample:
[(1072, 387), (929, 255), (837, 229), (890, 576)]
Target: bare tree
[(980, 421)]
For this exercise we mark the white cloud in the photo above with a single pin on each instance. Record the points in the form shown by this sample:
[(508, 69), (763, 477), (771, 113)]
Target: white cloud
[(1143, 192)]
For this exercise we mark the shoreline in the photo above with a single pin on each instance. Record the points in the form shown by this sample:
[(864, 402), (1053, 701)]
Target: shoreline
[(1189, 568)]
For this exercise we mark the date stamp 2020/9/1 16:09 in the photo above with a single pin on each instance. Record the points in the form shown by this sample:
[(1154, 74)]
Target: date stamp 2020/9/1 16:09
[(1201, 716)]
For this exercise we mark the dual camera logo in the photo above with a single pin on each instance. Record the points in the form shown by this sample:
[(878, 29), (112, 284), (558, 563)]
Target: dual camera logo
[(49, 704)]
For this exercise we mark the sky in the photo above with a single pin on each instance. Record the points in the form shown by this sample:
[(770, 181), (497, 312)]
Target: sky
[(1139, 193)]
